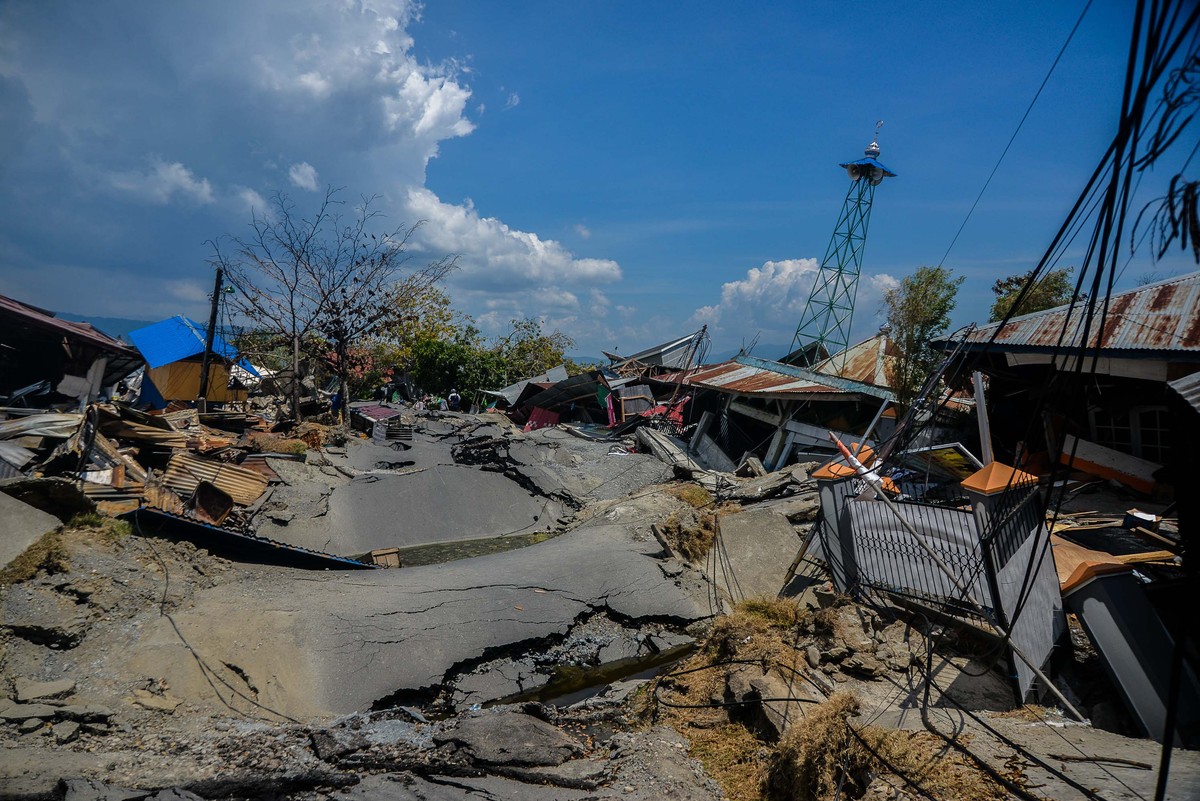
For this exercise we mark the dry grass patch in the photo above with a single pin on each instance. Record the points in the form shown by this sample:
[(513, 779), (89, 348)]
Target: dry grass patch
[(758, 629), (821, 759), (47, 554), (1030, 713), (106, 529), (692, 539), (273, 443), (694, 495), (818, 758)]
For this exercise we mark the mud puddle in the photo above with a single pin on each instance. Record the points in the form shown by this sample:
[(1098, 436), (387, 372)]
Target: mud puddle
[(439, 552)]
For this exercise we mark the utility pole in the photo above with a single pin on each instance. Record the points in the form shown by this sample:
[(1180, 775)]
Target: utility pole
[(202, 396)]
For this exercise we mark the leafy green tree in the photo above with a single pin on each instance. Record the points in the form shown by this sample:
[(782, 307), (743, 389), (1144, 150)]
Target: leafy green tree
[(416, 316), (528, 350), (1054, 289), (463, 361), (918, 311)]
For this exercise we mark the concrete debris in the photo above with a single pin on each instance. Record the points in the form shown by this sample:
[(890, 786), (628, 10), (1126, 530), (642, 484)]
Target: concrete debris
[(511, 738), (164, 702), (29, 690), (550, 588), (21, 525)]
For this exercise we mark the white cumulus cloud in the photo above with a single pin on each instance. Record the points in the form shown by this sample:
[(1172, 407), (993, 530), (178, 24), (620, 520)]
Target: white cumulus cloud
[(770, 299), (162, 182), (499, 258), (303, 175), (250, 202)]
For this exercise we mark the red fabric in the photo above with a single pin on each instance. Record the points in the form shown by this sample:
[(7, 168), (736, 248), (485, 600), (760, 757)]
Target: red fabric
[(673, 413), (540, 418)]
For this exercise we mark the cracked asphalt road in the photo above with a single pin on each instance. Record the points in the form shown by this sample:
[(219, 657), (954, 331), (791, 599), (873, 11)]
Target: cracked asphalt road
[(333, 643)]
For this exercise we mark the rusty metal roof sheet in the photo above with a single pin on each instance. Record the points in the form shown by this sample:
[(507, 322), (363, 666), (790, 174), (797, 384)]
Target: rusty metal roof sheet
[(185, 471), (1163, 316), (866, 362), (1189, 388), (43, 318)]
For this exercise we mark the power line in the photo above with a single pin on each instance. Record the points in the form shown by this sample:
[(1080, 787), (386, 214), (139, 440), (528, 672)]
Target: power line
[(1013, 138)]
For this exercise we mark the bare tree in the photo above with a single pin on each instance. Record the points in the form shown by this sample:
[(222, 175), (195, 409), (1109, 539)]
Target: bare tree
[(320, 282)]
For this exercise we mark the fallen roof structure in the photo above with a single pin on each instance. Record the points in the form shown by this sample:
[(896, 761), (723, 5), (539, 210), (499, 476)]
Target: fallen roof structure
[(678, 354), (773, 392), (75, 359), (513, 392)]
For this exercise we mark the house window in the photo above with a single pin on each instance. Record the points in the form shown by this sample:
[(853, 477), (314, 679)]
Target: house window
[(1141, 431)]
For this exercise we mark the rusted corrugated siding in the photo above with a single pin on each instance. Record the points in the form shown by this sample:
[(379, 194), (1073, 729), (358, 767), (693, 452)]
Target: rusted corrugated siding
[(1162, 316), (746, 380), (185, 471), (865, 362)]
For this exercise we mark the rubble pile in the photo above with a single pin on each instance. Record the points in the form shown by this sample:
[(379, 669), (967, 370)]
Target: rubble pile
[(162, 471), (539, 576)]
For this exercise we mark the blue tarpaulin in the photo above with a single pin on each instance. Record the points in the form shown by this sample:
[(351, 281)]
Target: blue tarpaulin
[(177, 338)]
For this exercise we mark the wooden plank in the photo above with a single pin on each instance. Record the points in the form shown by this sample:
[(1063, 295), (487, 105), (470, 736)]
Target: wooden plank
[(1108, 463), (1149, 556)]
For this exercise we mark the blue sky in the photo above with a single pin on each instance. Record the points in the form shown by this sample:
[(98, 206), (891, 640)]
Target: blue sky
[(625, 171)]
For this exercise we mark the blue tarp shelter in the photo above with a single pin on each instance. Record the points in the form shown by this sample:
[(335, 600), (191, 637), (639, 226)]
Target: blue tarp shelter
[(173, 350)]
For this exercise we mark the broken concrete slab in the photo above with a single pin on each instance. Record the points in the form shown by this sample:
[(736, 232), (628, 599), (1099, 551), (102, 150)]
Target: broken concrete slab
[(403, 634), (30, 690), (159, 703), (93, 790), (36, 613), (19, 712), (66, 731), (755, 548), (511, 738), (21, 525), (578, 774), (440, 504)]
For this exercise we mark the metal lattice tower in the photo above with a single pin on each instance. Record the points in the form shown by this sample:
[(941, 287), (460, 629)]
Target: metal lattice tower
[(825, 323)]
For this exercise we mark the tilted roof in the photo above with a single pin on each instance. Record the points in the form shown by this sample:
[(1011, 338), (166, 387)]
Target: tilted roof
[(32, 315), (865, 363), (177, 338), (1163, 316)]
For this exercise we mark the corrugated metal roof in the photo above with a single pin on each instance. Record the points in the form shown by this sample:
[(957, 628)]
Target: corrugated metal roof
[(46, 319), (178, 338), (1164, 316), (185, 471), (673, 354), (1189, 388), (866, 363)]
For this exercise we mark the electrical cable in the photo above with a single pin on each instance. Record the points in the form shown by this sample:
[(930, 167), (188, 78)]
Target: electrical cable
[(205, 669), (1020, 124)]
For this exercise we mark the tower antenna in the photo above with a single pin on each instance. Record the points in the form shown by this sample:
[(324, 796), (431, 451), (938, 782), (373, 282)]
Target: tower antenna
[(824, 327)]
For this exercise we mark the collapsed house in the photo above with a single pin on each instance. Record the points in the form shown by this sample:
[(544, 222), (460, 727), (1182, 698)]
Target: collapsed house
[(1115, 386), (46, 361), (780, 412), (516, 395), (174, 353), (1115, 420)]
